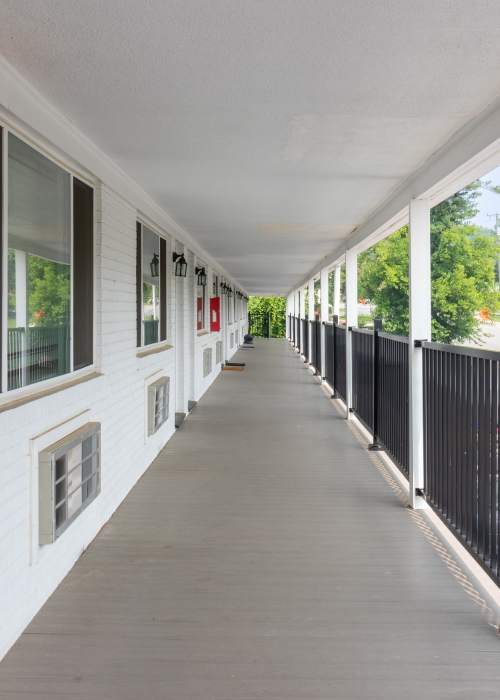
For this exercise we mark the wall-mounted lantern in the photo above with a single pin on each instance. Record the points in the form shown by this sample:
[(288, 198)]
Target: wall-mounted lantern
[(155, 266), (202, 276), (181, 265)]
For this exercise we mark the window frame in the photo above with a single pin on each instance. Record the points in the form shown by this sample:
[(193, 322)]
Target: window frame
[(164, 329), (205, 325), (6, 394)]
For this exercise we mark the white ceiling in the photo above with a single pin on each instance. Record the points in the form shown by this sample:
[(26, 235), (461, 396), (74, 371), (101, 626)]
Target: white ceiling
[(269, 129)]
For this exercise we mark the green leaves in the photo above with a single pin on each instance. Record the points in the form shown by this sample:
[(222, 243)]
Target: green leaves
[(260, 307), (463, 272)]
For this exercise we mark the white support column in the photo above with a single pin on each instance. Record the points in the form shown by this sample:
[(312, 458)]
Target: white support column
[(420, 329), (324, 316), (302, 314), (311, 315), (336, 290), (351, 293)]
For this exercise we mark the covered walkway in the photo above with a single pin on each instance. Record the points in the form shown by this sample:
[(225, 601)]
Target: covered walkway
[(262, 555)]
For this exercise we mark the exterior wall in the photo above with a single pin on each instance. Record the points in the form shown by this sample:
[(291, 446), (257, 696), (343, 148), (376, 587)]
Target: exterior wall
[(114, 395)]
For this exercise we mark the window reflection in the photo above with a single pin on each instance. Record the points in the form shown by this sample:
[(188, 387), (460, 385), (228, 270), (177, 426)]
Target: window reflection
[(39, 271)]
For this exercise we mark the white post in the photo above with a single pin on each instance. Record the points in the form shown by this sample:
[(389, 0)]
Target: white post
[(420, 329), (302, 314), (336, 290), (311, 316), (351, 293), (297, 315), (324, 316)]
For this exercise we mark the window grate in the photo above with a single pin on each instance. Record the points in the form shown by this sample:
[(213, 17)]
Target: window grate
[(158, 404), (69, 480), (207, 361)]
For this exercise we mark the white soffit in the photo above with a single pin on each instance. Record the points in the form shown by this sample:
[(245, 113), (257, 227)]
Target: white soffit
[(269, 130)]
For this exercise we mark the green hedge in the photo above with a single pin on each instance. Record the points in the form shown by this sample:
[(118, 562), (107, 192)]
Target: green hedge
[(267, 313)]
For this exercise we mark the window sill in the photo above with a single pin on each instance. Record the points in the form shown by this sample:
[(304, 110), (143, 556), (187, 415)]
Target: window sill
[(203, 332), (10, 403), (154, 349)]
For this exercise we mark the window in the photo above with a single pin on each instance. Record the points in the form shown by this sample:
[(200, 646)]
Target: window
[(50, 278), (151, 287), (69, 479), (215, 286), (158, 404), (200, 298)]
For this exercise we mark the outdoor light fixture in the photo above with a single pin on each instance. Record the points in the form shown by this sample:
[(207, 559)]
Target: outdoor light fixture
[(202, 276), (155, 266), (181, 265)]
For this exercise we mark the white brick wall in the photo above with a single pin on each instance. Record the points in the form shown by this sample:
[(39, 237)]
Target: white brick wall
[(28, 572)]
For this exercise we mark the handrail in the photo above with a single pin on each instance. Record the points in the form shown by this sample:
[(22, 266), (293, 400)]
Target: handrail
[(393, 336), (463, 350)]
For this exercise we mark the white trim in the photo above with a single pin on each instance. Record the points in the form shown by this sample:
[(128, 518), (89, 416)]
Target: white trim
[(419, 251), (5, 268), (71, 276)]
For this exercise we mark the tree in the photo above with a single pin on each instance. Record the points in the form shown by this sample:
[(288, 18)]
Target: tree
[(48, 292), (462, 270), (262, 308)]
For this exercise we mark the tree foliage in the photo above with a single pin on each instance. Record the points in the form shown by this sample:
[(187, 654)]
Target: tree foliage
[(264, 310), (48, 292), (463, 260)]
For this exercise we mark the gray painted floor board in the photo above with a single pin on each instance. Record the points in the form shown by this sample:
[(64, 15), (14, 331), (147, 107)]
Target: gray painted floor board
[(261, 556)]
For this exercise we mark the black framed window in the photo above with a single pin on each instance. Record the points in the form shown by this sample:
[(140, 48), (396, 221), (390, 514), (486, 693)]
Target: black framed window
[(151, 283), (49, 285)]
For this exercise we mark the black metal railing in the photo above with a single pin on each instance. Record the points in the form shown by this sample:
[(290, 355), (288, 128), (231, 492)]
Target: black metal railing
[(304, 333), (362, 375), (339, 361), (461, 447), (316, 329), (312, 349), (36, 353), (393, 397), (380, 389), (297, 333), (315, 352), (329, 340), (461, 422)]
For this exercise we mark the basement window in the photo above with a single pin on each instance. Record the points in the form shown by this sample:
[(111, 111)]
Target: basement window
[(69, 480)]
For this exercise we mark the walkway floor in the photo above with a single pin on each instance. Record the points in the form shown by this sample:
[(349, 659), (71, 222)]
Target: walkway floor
[(262, 555)]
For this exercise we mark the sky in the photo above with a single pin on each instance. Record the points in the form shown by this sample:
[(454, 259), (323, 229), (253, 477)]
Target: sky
[(489, 202)]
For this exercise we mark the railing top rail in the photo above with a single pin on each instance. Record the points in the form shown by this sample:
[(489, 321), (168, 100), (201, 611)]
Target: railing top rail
[(342, 326), (327, 323), (392, 336), (463, 350), (365, 331)]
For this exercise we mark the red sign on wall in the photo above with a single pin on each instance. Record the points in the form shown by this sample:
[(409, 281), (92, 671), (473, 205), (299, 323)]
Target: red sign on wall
[(215, 314)]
